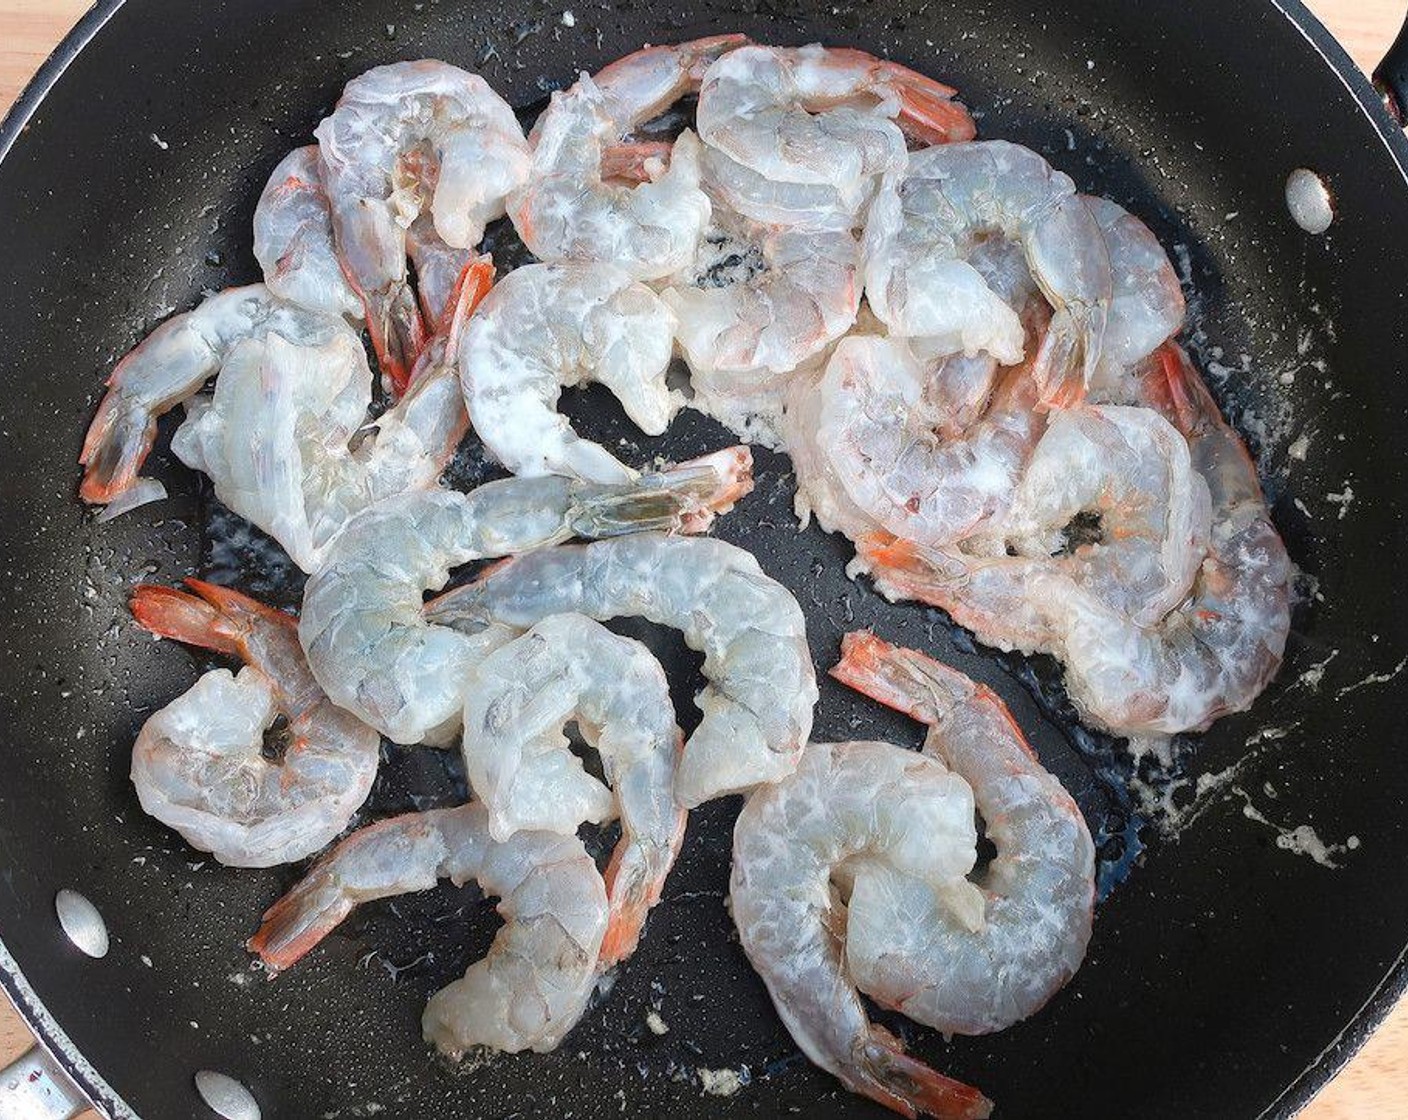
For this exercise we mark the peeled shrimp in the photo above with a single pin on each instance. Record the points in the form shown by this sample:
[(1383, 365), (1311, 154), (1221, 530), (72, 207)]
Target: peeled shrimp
[(550, 325), (869, 444), (924, 223), (533, 985), (824, 120), (517, 700), (170, 365), (960, 970), (287, 444), (758, 301), (367, 642), (293, 240), (1147, 305), (199, 764), (405, 140), (852, 813), (649, 224), (761, 688)]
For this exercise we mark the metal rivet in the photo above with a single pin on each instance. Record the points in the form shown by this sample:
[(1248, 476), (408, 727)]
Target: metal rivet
[(226, 1096), (1311, 205), (82, 923)]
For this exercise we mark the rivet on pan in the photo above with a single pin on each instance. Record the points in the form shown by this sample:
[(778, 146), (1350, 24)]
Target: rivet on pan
[(82, 923), (226, 1096), (1309, 200)]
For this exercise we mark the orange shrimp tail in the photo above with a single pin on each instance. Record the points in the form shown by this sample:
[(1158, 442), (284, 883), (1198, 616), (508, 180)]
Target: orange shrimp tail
[(929, 114), (733, 480), (169, 613), (116, 446), (285, 936), (868, 665), (633, 163), (909, 1087), (633, 892), (1177, 390), (398, 332), (474, 283), (238, 607)]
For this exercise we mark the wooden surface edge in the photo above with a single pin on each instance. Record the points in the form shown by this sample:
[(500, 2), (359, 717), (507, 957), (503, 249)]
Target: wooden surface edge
[(1375, 1083)]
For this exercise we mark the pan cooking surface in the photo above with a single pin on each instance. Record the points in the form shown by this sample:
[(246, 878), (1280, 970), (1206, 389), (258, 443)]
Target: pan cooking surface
[(1220, 967)]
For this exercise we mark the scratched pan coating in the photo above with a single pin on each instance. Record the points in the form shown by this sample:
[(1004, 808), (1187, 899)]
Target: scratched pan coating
[(1228, 976)]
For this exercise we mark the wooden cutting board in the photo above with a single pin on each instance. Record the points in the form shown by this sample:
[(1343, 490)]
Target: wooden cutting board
[(1375, 1084)]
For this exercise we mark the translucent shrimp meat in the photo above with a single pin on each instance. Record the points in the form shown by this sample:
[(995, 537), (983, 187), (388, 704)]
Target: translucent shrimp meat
[(761, 687), (199, 764), (648, 224), (803, 847), (408, 140), (912, 948), (547, 326), (534, 984), (925, 222), (362, 626), (518, 761)]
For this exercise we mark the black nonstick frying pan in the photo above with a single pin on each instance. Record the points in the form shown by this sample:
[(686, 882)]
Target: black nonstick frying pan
[(1231, 970)]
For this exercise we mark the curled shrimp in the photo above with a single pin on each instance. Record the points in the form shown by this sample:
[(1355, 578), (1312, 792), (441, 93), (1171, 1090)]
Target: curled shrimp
[(761, 687), (758, 301), (405, 141), (913, 949), (287, 443), (927, 218), (532, 987), (517, 700), (169, 367), (873, 442), (199, 764), (1146, 306), (293, 239), (647, 223), (821, 122), (852, 814), (550, 325), (367, 641)]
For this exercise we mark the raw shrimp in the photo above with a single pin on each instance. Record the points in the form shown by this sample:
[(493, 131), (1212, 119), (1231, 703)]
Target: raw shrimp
[(551, 325), (870, 449), (277, 437), (293, 240), (1109, 507), (852, 813), (570, 210), (404, 140), (761, 686), (1147, 305), (757, 301), (170, 366), (517, 701), (199, 763), (908, 946), (533, 985), (827, 120), (367, 642), (926, 220)]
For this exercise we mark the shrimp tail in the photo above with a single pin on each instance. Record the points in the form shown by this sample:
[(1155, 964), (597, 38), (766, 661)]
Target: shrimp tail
[(634, 883), (683, 499), (115, 448), (298, 922), (398, 332), (635, 163), (884, 1073), (1069, 354), (474, 283), (169, 613), (903, 569), (901, 679), (928, 112)]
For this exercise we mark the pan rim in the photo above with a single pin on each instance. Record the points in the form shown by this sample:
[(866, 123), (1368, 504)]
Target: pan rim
[(1295, 1096)]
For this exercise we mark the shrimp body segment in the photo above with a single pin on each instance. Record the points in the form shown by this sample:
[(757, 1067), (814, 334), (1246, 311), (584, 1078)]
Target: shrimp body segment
[(368, 643), (533, 985), (927, 219), (805, 853), (518, 761), (648, 223), (169, 367), (761, 687), (199, 764), (828, 120), (967, 973), (407, 141), (293, 239), (547, 326)]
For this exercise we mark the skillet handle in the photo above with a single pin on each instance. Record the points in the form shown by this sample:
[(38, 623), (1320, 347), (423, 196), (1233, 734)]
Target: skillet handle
[(35, 1087), (1391, 78)]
